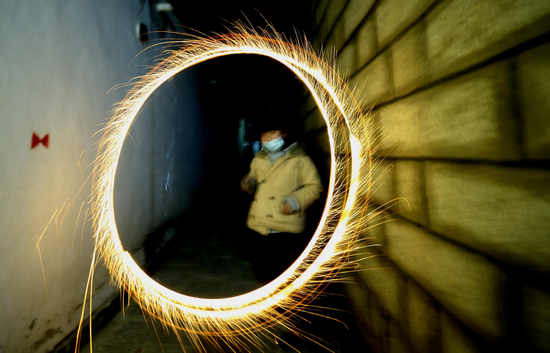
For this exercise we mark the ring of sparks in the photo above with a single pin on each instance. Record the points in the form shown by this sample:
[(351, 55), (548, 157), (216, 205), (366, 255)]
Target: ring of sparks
[(242, 319)]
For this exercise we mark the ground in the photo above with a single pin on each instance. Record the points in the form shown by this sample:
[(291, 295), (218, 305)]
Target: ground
[(211, 266)]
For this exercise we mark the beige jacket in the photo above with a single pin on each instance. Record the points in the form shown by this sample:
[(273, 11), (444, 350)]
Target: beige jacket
[(291, 175)]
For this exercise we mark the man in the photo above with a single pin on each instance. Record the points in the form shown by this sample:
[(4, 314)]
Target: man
[(284, 182)]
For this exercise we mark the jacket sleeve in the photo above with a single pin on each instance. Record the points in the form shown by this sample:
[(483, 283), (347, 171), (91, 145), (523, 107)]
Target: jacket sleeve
[(252, 173), (249, 182), (311, 184)]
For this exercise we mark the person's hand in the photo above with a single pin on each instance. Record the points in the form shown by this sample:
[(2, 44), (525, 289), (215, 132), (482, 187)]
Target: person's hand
[(286, 208), (248, 185)]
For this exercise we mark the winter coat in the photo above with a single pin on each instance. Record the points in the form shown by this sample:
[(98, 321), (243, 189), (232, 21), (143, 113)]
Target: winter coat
[(292, 175)]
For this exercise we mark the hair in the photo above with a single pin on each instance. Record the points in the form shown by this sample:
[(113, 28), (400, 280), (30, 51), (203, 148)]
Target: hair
[(275, 119), (272, 122)]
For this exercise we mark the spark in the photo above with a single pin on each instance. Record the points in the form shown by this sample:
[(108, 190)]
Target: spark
[(89, 288), (243, 319), (79, 166), (41, 263), (77, 219), (58, 225), (84, 220)]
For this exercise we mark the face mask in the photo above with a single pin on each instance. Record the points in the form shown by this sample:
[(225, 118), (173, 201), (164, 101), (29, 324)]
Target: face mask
[(273, 145)]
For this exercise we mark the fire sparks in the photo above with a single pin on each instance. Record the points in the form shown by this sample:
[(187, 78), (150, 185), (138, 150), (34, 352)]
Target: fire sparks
[(239, 321)]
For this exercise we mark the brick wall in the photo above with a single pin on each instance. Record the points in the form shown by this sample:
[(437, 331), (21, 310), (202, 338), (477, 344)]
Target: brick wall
[(460, 92)]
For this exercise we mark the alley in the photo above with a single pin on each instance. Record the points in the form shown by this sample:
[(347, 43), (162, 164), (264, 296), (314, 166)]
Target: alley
[(211, 265)]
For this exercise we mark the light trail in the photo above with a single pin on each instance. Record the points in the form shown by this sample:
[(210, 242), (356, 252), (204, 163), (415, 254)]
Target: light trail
[(42, 263), (240, 320)]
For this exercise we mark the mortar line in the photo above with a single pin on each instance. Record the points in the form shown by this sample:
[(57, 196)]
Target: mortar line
[(543, 164), (538, 280), (505, 55), (361, 23), (316, 30), (424, 195), (397, 37), (516, 108), (331, 30)]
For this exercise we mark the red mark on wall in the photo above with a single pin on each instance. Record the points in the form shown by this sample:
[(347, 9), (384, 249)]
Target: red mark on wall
[(37, 140)]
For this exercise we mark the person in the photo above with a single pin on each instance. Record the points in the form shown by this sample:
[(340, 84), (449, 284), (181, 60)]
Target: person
[(284, 183)]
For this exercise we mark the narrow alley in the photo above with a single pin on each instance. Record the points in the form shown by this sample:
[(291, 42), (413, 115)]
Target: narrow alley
[(211, 264)]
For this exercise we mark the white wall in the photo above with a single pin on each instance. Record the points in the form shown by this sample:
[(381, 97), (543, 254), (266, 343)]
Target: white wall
[(58, 60)]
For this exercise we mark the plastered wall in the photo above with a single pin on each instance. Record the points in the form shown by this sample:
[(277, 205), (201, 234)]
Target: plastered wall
[(459, 93), (58, 61)]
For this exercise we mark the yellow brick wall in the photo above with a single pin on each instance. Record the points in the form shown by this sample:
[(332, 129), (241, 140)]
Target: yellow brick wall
[(460, 93)]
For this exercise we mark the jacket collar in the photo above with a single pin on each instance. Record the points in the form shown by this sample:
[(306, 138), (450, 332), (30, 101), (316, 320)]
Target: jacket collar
[(289, 152)]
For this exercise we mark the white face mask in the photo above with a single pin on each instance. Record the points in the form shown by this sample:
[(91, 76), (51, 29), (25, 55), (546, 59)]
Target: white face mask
[(273, 145)]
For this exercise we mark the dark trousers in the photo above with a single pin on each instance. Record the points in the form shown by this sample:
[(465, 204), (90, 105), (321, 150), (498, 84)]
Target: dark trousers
[(271, 255)]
